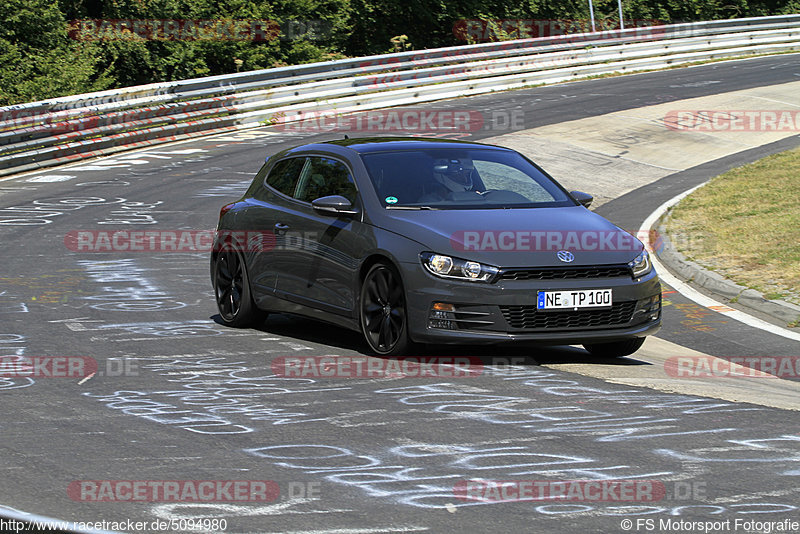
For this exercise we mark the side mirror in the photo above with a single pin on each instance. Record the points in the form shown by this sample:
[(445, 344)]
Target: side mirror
[(334, 205), (585, 199)]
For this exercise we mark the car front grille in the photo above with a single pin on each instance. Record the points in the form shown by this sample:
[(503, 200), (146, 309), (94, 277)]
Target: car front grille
[(567, 273), (530, 318)]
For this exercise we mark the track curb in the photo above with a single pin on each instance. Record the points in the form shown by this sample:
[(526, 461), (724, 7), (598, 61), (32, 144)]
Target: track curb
[(724, 289)]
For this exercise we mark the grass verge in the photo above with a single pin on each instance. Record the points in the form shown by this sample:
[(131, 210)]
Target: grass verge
[(745, 224)]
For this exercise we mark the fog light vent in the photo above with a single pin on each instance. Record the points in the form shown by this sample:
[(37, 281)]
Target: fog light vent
[(442, 315)]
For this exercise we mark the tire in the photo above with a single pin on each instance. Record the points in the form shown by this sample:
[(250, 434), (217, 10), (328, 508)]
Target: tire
[(617, 349), (382, 311), (232, 290)]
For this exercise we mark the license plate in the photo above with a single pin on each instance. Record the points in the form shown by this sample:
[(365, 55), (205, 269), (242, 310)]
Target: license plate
[(584, 298)]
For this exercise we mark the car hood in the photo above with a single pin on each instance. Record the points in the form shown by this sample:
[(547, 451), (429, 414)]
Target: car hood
[(517, 237)]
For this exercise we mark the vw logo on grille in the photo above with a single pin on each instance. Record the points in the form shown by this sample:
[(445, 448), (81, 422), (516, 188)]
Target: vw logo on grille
[(565, 255)]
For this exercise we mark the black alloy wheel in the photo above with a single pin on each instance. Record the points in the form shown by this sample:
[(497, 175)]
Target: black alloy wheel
[(232, 290), (383, 311)]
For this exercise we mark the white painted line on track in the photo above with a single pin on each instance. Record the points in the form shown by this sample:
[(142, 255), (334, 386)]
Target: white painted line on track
[(52, 178), (692, 294), (153, 149)]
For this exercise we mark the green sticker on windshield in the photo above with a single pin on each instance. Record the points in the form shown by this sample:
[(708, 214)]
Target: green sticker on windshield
[(391, 200)]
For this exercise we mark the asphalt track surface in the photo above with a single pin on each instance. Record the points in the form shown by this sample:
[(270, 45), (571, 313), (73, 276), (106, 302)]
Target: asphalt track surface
[(179, 397)]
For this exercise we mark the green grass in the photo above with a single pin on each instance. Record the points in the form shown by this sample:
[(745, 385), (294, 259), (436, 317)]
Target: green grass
[(745, 224)]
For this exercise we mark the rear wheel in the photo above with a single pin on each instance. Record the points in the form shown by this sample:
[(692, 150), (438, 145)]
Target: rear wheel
[(382, 307), (615, 349), (232, 290)]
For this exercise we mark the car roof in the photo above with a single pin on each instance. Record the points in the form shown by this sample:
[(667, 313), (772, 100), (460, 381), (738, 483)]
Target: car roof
[(366, 145), (379, 144)]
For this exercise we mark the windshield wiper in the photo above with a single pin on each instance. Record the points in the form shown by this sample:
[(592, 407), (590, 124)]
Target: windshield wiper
[(410, 208)]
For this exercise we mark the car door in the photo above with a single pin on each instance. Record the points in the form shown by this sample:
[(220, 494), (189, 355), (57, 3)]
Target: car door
[(323, 250), (263, 215)]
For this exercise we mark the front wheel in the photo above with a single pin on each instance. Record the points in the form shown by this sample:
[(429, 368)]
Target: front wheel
[(382, 311), (616, 349), (232, 290)]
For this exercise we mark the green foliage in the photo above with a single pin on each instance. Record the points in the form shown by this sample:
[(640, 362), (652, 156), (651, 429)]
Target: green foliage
[(39, 58)]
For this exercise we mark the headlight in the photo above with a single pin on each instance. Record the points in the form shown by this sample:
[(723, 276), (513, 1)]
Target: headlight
[(457, 269), (641, 265)]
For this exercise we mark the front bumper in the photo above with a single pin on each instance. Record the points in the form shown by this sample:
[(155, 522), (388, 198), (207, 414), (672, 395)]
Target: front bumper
[(506, 310)]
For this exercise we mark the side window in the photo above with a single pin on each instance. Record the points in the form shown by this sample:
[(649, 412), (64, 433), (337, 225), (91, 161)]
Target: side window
[(284, 175), (323, 177)]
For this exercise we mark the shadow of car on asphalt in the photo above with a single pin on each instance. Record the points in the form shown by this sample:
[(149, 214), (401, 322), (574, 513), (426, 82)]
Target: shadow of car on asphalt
[(499, 354)]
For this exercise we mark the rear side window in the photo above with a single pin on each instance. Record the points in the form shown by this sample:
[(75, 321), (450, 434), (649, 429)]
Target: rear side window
[(284, 175)]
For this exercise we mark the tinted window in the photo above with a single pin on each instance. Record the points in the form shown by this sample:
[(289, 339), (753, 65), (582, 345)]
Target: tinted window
[(461, 178), (284, 175), (323, 177)]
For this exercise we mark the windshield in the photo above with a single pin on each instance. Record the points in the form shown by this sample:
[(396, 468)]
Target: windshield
[(455, 178)]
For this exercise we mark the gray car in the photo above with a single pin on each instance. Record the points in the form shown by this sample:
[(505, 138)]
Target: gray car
[(431, 241)]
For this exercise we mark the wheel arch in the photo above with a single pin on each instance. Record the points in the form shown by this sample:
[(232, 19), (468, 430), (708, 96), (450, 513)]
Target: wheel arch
[(371, 260), (226, 237)]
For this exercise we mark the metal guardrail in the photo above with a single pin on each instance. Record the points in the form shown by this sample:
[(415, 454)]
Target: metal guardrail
[(55, 131)]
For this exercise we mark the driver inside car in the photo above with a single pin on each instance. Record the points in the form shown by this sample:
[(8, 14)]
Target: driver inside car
[(452, 178)]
